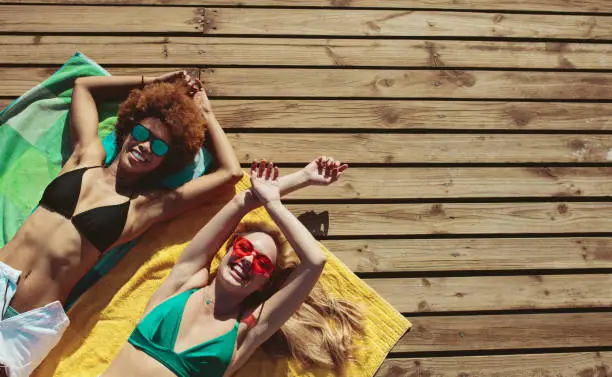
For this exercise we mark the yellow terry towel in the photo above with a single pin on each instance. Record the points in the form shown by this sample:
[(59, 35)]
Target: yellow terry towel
[(104, 317)]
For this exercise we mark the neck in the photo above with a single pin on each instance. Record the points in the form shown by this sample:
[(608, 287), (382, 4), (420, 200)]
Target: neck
[(225, 301), (123, 180)]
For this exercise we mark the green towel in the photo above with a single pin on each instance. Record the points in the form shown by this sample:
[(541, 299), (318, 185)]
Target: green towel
[(35, 143)]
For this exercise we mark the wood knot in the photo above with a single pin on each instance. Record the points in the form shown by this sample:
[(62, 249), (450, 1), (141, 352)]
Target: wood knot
[(386, 82), (437, 210), (374, 26), (424, 307), (498, 18)]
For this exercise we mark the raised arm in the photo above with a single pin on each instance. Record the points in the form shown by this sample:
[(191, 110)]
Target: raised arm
[(278, 308), (87, 148), (193, 264), (321, 171), (207, 187)]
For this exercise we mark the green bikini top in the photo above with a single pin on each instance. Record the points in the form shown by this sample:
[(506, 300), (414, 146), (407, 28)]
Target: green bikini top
[(156, 336)]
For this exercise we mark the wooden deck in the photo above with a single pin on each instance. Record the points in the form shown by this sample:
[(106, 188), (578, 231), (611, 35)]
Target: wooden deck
[(479, 134)]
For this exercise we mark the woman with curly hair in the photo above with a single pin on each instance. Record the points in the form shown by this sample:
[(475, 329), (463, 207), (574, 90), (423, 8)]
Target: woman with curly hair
[(264, 292), (90, 208)]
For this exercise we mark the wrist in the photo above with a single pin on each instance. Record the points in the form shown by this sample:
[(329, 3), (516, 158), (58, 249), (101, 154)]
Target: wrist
[(209, 117), (245, 199), (271, 204), (144, 80), (303, 178), (296, 179)]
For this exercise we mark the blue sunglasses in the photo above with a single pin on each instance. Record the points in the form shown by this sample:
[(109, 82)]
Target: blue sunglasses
[(140, 133)]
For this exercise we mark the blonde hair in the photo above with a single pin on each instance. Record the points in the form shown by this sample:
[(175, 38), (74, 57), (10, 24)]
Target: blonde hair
[(321, 332)]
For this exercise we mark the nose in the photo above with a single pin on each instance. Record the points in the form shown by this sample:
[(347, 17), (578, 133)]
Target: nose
[(146, 145), (249, 258)]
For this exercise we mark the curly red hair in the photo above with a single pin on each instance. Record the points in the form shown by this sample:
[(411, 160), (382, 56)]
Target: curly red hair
[(170, 103)]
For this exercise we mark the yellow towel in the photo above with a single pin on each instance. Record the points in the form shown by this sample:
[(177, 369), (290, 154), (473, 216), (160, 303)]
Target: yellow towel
[(104, 317)]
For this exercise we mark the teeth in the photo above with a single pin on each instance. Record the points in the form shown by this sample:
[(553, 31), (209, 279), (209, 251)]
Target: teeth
[(241, 273), (138, 156)]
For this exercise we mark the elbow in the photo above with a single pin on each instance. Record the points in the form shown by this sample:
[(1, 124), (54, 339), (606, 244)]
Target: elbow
[(78, 85), (320, 260), (235, 174), (81, 82), (235, 170)]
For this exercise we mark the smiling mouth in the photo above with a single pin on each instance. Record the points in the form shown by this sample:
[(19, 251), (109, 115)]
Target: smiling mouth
[(240, 274), (138, 156)]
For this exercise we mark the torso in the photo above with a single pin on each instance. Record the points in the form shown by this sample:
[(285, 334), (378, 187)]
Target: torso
[(52, 254), (198, 325)]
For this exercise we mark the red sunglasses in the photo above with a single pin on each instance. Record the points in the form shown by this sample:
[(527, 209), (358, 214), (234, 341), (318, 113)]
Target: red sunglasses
[(262, 265)]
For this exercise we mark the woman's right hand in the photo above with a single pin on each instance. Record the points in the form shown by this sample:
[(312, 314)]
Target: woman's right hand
[(264, 181)]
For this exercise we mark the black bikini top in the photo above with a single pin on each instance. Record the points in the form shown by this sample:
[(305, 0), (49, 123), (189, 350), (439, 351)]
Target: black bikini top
[(101, 226)]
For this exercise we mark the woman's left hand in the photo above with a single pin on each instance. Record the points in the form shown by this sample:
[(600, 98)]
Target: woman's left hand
[(264, 181), (324, 171), (193, 83)]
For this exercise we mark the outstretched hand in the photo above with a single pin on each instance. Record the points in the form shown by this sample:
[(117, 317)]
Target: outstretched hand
[(264, 181), (324, 170)]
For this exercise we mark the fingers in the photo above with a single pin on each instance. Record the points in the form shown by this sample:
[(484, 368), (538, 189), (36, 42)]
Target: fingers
[(334, 174), (194, 83), (198, 83), (320, 164), (329, 168), (330, 165), (264, 170), (268, 171), (257, 168)]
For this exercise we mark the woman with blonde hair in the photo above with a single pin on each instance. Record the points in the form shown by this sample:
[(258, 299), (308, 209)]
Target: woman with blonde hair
[(198, 325)]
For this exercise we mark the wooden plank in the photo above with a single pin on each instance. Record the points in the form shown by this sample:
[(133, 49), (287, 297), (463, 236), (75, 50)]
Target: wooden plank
[(235, 114), (455, 294), (356, 83), (303, 22), (535, 365), (356, 114), (497, 332), (65, 18), (418, 183), (484, 254), (520, 5), (36, 49), (454, 218), (423, 148), (16, 81)]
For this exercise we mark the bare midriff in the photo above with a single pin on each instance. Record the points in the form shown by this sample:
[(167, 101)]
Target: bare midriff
[(52, 257), (133, 362)]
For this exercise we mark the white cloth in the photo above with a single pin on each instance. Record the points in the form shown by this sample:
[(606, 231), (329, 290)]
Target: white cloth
[(26, 339)]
